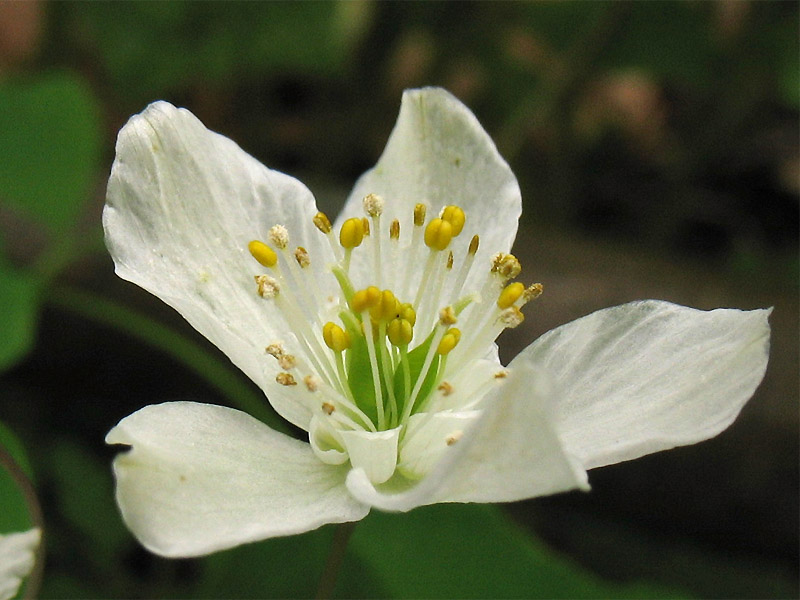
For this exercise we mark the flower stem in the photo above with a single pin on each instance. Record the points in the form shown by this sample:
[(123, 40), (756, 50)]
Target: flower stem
[(34, 580), (327, 582), (202, 362)]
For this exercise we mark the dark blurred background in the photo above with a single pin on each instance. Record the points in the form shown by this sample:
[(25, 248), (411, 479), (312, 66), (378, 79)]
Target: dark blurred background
[(656, 145)]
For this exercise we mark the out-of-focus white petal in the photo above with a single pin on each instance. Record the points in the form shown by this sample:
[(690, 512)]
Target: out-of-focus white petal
[(374, 452), (17, 557), (511, 453), (200, 478), (439, 154), (182, 205), (648, 376)]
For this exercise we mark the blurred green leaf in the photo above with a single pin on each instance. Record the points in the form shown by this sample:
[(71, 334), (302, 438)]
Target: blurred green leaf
[(50, 135), (14, 513), (287, 567), (19, 297), (469, 551), (85, 495), (154, 49)]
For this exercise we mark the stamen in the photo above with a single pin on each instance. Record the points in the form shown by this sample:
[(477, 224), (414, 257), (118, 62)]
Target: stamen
[(466, 266), (262, 253), (302, 257), (279, 236), (400, 332), (510, 294), (328, 408), (445, 388), (352, 233), (419, 214), (455, 216), (438, 234), (506, 265), (373, 205), (453, 437), (394, 230), (336, 338), (532, 292), (267, 286), (287, 362), (311, 383), (449, 341), (322, 222), (419, 221), (286, 379)]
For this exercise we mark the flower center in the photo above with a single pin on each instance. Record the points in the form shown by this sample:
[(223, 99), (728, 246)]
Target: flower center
[(376, 352)]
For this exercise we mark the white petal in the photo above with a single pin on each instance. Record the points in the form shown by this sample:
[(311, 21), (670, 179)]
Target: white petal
[(373, 452), (439, 154), (512, 453), (17, 557), (324, 443), (428, 436), (182, 205), (650, 375), (201, 478)]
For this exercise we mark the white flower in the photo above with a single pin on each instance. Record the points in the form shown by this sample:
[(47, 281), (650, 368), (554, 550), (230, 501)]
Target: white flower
[(17, 557), (380, 343)]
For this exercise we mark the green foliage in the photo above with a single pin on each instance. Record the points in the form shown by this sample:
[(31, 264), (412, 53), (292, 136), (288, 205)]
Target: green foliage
[(151, 49), (14, 515), (19, 297), (50, 136), (469, 551)]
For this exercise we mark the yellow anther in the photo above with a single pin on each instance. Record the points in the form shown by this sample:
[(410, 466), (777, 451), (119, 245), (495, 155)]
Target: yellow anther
[(286, 379), (438, 234), (406, 311), (373, 205), (263, 253), (501, 374), (394, 230), (352, 233), (365, 223), (455, 216), (473, 245), (302, 257), (449, 341), (328, 408), (322, 222), (510, 294), (534, 291), (386, 308), (450, 260), (400, 332), (279, 236), (419, 214), (336, 338), (365, 299)]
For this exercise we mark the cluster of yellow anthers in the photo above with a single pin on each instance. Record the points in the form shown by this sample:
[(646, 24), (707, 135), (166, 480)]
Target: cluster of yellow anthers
[(373, 370)]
